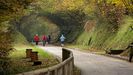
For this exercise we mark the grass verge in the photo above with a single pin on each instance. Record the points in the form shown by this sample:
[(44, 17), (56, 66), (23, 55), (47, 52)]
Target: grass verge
[(19, 62), (86, 49)]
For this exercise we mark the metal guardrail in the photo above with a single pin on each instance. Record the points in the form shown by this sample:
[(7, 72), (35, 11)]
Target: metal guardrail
[(66, 67)]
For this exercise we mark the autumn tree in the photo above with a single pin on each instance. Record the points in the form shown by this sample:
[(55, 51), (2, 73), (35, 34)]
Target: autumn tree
[(111, 11), (128, 6), (9, 9)]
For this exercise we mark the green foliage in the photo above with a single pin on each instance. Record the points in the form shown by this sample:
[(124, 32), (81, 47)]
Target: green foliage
[(69, 5), (65, 14), (111, 12), (5, 66), (70, 17), (129, 6), (5, 46), (102, 37), (36, 24), (19, 39), (70, 23), (5, 39), (20, 64), (47, 6), (123, 37), (12, 8), (8, 9)]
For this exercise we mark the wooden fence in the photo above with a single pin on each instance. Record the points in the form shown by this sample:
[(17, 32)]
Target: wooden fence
[(66, 67)]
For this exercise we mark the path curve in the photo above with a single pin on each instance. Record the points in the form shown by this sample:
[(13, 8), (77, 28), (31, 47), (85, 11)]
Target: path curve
[(92, 64)]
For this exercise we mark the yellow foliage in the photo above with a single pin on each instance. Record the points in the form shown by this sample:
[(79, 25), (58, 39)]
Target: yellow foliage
[(117, 2), (70, 4), (89, 7)]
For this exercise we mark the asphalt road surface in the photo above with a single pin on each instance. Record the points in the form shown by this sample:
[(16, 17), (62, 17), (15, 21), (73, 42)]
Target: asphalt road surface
[(92, 64)]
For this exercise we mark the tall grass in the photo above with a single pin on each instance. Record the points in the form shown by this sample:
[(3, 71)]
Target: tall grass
[(103, 37)]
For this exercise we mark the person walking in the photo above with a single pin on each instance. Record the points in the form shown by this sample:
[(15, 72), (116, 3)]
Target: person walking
[(62, 39), (49, 39), (36, 39), (44, 39), (131, 52)]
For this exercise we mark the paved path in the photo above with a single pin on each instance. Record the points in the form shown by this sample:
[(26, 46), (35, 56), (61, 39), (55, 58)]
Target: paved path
[(91, 64)]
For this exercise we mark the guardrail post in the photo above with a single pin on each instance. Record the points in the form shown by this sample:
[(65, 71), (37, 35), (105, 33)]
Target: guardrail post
[(69, 70), (72, 66), (65, 54), (60, 71), (48, 73), (55, 72), (65, 70)]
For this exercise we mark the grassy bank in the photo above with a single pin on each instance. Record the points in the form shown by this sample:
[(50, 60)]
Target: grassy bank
[(19, 62), (101, 37)]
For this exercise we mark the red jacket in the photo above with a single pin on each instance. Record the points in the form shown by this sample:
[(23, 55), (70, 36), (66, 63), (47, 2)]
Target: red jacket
[(36, 38), (44, 38)]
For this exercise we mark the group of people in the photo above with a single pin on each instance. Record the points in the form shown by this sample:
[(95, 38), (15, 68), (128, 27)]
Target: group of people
[(47, 39), (44, 39)]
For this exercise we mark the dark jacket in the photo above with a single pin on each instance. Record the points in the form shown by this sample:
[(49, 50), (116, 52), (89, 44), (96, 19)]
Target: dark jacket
[(131, 50)]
